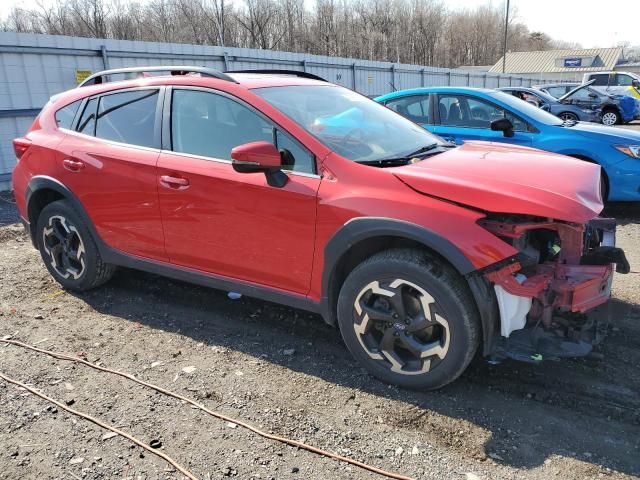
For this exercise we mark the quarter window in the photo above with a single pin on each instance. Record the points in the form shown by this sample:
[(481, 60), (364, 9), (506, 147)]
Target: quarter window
[(211, 125), (128, 117), (65, 116)]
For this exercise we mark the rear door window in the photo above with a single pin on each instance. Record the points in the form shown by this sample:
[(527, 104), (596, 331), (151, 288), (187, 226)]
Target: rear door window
[(65, 116), (128, 117)]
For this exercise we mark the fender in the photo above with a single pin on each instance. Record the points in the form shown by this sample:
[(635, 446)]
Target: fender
[(362, 228), (41, 182), (359, 229)]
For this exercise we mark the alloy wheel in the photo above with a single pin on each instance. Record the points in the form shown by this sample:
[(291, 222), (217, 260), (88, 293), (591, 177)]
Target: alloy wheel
[(569, 116), (64, 246), (396, 324), (609, 118)]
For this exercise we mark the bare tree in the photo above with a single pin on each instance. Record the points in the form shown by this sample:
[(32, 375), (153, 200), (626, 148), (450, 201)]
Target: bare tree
[(408, 31)]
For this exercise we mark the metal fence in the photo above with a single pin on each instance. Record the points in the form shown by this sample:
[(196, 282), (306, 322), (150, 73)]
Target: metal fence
[(33, 67)]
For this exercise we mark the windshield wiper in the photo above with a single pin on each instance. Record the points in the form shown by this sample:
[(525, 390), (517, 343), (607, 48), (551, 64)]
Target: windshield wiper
[(405, 159), (386, 162), (422, 150)]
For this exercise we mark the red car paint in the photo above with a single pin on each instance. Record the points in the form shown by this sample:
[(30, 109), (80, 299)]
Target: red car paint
[(160, 205), (506, 178)]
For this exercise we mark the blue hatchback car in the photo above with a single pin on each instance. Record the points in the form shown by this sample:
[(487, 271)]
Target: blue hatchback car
[(461, 113)]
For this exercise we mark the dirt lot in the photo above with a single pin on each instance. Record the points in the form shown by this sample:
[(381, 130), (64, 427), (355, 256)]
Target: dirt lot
[(575, 419)]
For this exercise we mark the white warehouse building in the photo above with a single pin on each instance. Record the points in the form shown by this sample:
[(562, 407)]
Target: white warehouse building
[(568, 65)]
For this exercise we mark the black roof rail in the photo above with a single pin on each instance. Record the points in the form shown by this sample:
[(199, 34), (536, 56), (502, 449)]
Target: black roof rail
[(295, 73), (99, 77)]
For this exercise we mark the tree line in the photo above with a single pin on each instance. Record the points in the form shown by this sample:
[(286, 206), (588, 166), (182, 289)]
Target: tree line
[(423, 32)]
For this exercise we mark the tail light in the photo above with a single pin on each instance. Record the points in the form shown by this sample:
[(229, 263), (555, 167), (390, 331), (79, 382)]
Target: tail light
[(20, 146)]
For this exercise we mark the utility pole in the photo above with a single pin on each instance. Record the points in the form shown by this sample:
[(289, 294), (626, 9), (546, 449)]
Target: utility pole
[(504, 46)]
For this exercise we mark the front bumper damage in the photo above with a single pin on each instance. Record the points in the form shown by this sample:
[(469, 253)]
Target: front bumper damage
[(556, 305)]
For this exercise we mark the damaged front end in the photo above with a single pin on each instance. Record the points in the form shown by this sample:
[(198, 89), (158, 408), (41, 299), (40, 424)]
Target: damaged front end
[(553, 296)]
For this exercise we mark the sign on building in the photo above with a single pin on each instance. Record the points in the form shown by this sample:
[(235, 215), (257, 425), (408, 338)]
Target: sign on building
[(573, 62)]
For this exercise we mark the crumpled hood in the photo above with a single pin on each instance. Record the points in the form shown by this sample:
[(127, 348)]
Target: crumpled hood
[(509, 179)]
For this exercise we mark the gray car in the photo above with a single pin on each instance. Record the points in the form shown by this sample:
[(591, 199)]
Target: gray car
[(565, 111), (557, 90)]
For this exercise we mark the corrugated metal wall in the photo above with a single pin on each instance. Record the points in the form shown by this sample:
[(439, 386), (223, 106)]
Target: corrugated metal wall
[(34, 67)]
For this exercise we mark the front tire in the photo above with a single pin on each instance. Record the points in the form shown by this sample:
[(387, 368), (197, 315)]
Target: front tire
[(610, 118), (68, 249), (409, 319)]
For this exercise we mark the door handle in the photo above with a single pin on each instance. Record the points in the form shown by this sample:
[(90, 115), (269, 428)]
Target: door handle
[(175, 183), (72, 165)]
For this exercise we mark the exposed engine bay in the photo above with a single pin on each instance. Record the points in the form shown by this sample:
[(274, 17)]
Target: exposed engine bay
[(548, 292)]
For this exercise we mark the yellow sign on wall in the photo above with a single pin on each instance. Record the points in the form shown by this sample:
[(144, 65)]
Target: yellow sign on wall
[(81, 75)]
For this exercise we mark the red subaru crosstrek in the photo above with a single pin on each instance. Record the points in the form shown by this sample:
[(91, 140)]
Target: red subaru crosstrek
[(290, 189)]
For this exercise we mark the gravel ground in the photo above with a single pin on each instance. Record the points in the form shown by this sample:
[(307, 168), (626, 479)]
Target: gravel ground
[(285, 371)]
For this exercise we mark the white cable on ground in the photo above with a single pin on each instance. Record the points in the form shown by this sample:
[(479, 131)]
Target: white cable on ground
[(140, 443), (221, 416)]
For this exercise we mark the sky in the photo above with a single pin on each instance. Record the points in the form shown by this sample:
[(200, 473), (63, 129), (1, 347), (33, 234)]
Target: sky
[(592, 23)]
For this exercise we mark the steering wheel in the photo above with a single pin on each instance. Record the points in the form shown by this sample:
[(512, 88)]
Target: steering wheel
[(479, 114)]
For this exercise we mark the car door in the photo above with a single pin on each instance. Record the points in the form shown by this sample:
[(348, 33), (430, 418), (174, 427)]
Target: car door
[(108, 159), (414, 107), (228, 223), (463, 117), (628, 85)]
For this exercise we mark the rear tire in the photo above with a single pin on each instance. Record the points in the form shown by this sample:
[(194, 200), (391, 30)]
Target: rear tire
[(568, 116), (68, 249), (409, 319)]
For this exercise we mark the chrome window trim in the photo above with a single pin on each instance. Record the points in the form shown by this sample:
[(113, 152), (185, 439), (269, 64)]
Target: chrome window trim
[(98, 96), (109, 142), (167, 129), (229, 162)]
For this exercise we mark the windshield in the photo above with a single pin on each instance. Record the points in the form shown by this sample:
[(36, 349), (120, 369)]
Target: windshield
[(524, 108), (543, 96), (352, 125)]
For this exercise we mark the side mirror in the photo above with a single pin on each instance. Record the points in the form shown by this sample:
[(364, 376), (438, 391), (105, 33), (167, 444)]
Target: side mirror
[(503, 125), (545, 107), (255, 157), (593, 95), (635, 83)]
